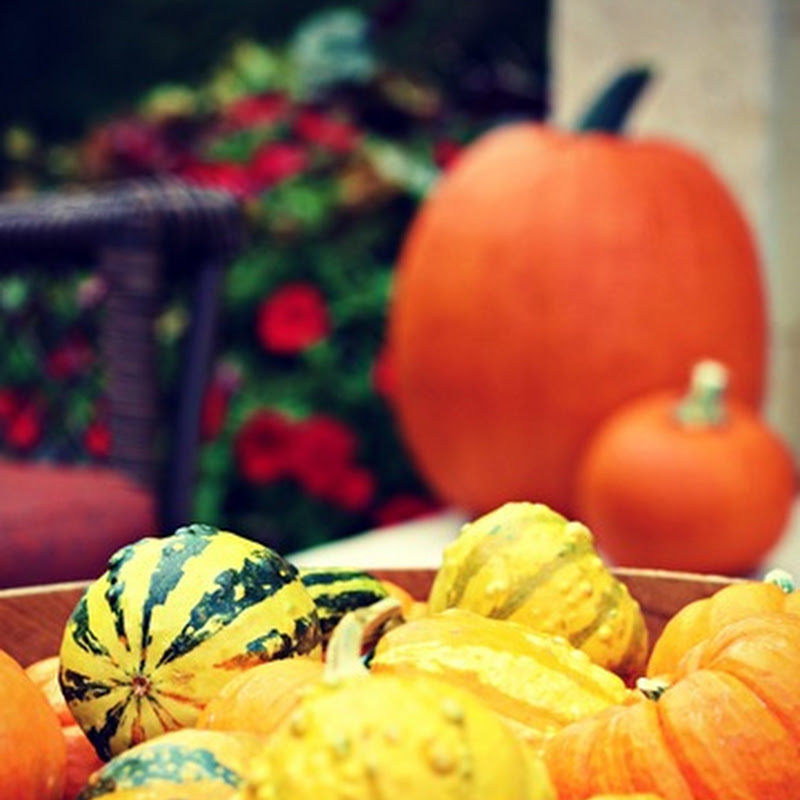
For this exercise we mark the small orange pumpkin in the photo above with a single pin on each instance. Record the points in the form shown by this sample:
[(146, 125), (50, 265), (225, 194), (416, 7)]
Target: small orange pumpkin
[(697, 483), (259, 699), (727, 726), (34, 753), (703, 617), (549, 277)]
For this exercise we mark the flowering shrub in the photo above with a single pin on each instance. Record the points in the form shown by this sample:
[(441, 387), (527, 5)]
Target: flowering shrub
[(330, 153)]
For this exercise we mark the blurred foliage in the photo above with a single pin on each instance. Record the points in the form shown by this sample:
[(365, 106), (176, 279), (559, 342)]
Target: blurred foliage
[(330, 144), (65, 64)]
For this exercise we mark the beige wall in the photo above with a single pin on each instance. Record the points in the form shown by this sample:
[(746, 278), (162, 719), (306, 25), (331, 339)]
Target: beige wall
[(727, 84)]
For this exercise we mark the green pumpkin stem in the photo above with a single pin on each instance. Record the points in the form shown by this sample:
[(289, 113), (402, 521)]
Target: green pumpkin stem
[(652, 688), (610, 111), (782, 579), (356, 632), (704, 404)]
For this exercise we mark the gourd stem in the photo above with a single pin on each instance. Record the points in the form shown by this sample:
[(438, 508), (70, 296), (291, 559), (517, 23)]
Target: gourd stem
[(782, 579), (610, 111), (704, 404), (354, 632), (652, 688)]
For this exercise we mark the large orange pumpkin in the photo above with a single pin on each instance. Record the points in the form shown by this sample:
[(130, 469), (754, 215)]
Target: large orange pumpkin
[(549, 277), (33, 751)]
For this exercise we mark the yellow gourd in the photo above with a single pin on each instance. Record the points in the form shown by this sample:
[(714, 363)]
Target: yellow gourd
[(361, 736), (527, 563), (538, 682)]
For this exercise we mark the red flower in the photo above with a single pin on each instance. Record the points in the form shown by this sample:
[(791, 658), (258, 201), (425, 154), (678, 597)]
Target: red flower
[(226, 176), (72, 357), (292, 318), (262, 447), (225, 381), (24, 430), (446, 153), (97, 439), (403, 507), (336, 135), (383, 374), (352, 490), (9, 406), (257, 110), (321, 447), (275, 162)]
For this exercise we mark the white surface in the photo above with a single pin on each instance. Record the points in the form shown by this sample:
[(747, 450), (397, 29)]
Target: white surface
[(419, 544)]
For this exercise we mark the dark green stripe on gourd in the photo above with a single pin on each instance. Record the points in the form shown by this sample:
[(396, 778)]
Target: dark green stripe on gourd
[(169, 622), (179, 758), (337, 590)]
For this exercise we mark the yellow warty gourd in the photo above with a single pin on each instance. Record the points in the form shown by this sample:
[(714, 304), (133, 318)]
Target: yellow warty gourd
[(364, 736), (525, 562)]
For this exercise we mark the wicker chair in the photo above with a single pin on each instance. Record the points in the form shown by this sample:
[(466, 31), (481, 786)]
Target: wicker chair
[(61, 522)]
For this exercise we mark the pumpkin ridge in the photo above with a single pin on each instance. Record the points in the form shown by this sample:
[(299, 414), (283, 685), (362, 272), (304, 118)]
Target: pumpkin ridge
[(741, 771), (662, 746)]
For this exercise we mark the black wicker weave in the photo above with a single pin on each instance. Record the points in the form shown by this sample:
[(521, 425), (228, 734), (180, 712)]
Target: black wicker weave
[(139, 235)]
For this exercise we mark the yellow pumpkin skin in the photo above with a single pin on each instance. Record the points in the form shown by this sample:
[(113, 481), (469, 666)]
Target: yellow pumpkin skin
[(360, 735), (538, 682), (381, 736), (527, 563)]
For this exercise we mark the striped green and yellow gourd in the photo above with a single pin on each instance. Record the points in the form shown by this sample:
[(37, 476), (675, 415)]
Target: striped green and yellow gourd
[(337, 590), (181, 763), (169, 623), (527, 563)]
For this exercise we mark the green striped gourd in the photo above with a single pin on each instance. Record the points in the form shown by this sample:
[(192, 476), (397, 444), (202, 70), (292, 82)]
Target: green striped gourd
[(201, 763), (169, 623), (527, 563), (538, 682), (337, 590)]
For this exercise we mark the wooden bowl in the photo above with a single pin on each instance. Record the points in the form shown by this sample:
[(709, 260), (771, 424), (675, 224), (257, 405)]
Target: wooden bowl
[(32, 619)]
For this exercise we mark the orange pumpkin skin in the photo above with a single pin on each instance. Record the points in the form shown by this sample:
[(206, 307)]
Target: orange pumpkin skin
[(548, 278), (728, 726), (705, 499), (34, 753), (260, 698), (81, 759), (702, 618)]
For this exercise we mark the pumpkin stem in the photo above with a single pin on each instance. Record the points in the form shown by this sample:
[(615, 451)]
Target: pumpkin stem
[(354, 633), (782, 579), (704, 403), (610, 111), (652, 688)]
